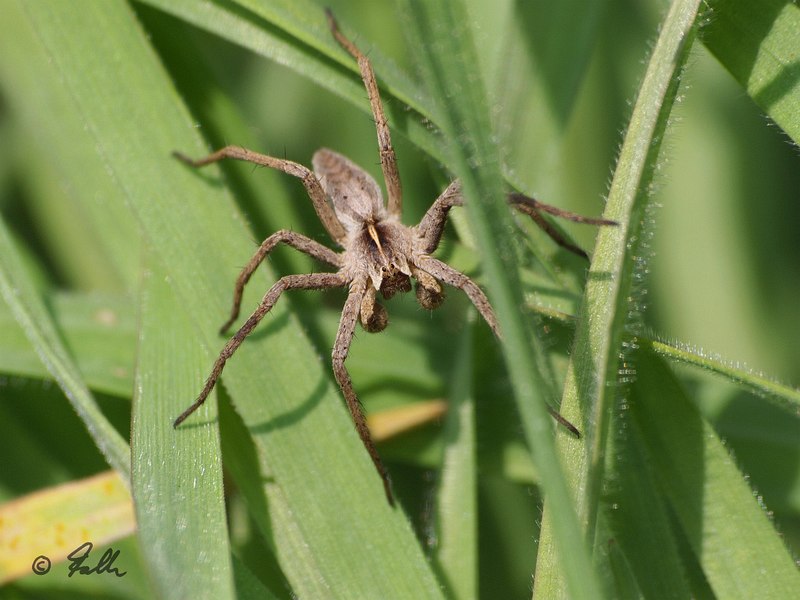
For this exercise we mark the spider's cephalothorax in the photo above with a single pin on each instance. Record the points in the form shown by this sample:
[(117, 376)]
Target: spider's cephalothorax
[(377, 244), (379, 254)]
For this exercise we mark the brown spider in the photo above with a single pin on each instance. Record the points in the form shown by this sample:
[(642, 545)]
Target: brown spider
[(379, 254)]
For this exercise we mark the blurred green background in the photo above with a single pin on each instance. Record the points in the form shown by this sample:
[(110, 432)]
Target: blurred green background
[(723, 264)]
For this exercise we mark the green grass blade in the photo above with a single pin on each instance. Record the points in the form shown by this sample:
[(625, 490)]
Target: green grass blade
[(193, 560), (457, 511), (608, 301), (778, 393), (726, 526), (757, 40), (28, 309), (314, 468), (447, 60)]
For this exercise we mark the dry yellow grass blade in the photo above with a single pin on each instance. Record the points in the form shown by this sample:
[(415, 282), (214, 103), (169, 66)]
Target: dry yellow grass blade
[(44, 527), (394, 421)]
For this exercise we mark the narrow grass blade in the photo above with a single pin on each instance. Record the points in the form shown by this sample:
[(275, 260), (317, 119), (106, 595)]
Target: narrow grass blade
[(28, 309), (457, 503), (778, 393), (52, 523), (609, 301), (187, 548), (444, 51)]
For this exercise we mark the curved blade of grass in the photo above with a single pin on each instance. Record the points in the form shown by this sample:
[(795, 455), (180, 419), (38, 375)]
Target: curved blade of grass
[(778, 393), (757, 40), (28, 309), (318, 487), (725, 523), (447, 60), (608, 299)]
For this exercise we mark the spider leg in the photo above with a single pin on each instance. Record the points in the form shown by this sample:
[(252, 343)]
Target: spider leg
[(391, 174), (431, 226), (295, 240), (534, 208), (314, 281), (447, 274), (313, 187), (520, 200), (450, 276), (341, 347)]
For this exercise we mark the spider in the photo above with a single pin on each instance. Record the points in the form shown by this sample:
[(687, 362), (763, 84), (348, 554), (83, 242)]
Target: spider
[(379, 254)]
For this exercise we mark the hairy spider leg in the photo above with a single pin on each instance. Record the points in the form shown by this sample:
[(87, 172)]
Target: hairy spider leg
[(324, 210), (314, 281), (341, 347), (450, 276), (534, 208), (447, 274), (291, 238), (431, 226), (391, 174)]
